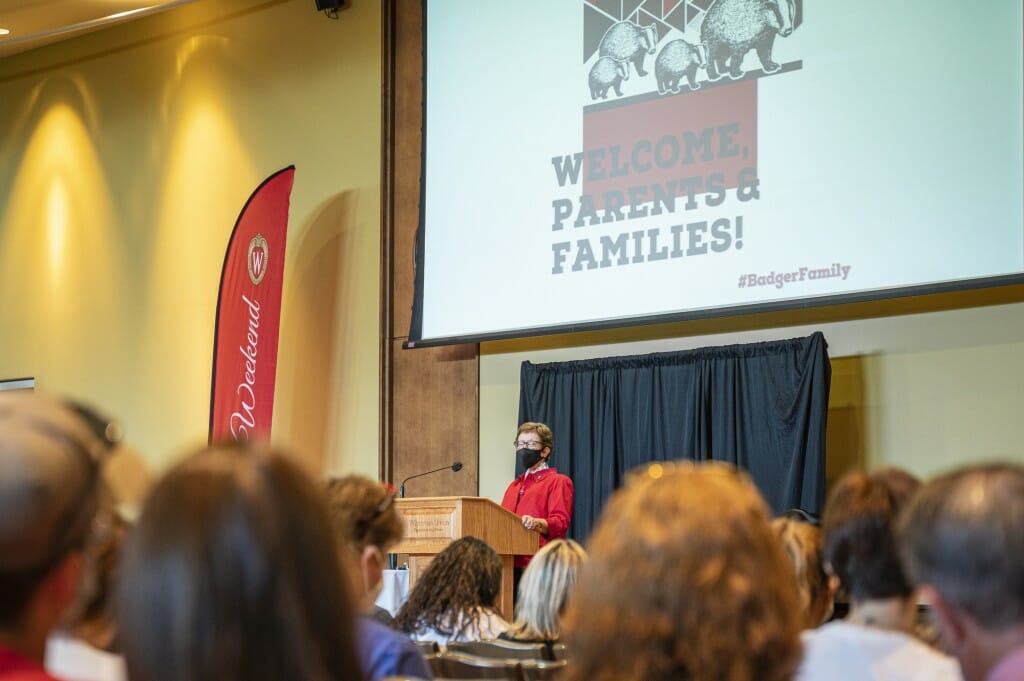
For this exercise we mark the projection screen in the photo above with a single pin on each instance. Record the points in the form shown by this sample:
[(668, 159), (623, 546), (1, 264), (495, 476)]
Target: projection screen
[(595, 163)]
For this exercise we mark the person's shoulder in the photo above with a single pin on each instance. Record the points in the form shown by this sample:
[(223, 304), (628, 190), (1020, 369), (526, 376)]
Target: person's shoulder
[(553, 474), (838, 650), (386, 652), (491, 624), (14, 667), (370, 628)]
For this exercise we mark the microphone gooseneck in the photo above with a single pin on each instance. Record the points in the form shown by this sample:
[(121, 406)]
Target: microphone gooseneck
[(455, 466)]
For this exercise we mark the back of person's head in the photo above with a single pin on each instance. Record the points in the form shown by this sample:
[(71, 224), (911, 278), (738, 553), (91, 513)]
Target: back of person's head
[(803, 545), (902, 484), (685, 581), (860, 545), (366, 524), (545, 589), (91, 617), (963, 535), (232, 574), (50, 461), (363, 513), (462, 579)]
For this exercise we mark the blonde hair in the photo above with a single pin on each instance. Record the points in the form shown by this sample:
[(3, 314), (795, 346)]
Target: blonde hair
[(803, 544), (545, 588), (685, 581)]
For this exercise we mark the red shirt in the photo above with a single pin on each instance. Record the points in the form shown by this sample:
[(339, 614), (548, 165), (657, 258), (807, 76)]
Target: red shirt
[(545, 494), (15, 667)]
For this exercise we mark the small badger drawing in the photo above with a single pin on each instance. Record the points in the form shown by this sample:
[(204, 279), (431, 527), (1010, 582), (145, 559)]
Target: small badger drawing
[(679, 58), (606, 73), (626, 41), (732, 28)]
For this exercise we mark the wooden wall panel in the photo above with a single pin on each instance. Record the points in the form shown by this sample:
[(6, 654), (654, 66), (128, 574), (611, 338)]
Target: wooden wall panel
[(429, 396), (435, 414)]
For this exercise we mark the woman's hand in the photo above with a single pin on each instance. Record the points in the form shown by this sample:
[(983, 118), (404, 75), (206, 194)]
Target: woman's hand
[(538, 524)]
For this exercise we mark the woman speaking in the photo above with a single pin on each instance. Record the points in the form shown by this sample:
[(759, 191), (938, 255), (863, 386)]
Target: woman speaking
[(541, 496)]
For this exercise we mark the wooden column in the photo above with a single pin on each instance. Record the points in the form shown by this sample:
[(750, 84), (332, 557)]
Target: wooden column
[(429, 396)]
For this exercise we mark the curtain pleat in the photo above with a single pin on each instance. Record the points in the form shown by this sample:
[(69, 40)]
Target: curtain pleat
[(761, 406)]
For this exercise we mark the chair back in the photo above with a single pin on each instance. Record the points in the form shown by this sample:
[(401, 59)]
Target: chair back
[(542, 670), (428, 647), (452, 665), (502, 650)]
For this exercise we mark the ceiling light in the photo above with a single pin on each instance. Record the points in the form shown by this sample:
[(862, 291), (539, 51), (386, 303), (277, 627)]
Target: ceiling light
[(5, 31)]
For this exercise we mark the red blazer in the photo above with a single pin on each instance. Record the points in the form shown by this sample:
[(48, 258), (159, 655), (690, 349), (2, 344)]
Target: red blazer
[(546, 494)]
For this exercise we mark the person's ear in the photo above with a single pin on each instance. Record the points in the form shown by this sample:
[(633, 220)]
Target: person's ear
[(546, 452), (371, 562), (948, 617), (61, 586)]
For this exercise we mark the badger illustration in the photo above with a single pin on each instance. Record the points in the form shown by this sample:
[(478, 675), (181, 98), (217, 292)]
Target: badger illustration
[(732, 28), (607, 73), (679, 58), (626, 41)]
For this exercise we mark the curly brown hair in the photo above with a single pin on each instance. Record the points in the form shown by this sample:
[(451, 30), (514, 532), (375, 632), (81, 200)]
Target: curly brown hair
[(685, 581), (461, 581)]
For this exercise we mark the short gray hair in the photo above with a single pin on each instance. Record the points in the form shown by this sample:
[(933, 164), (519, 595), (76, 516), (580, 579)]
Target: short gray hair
[(963, 534)]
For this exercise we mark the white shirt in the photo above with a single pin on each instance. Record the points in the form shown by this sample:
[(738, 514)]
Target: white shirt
[(838, 651), (486, 625), (538, 469), (74, 660)]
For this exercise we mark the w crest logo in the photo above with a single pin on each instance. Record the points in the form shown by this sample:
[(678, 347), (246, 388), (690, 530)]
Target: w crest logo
[(257, 259)]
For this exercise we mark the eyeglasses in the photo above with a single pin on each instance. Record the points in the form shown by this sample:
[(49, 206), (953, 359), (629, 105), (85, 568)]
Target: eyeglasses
[(535, 445)]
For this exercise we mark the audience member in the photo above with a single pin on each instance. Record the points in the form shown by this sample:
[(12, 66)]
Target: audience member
[(902, 484), (50, 461), (962, 539), (232, 573), (803, 545), (685, 581), (84, 647), (544, 592), (366, 525), (874, 641), (454, 599)]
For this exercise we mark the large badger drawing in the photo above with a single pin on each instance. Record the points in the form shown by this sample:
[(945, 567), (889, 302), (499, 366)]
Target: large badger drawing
[(627, 42), (732, 28)]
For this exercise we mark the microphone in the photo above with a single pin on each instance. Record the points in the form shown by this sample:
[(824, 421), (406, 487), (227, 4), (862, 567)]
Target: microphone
[(455, 466)]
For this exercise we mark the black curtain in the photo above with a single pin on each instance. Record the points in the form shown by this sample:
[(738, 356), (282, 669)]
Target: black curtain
[(760, 406)]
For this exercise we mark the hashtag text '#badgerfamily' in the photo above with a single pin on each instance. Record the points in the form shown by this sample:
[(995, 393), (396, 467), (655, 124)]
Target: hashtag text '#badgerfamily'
[(780, 279)]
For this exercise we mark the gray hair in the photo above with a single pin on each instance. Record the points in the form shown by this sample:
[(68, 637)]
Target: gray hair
[(963, 534), (545, 588)]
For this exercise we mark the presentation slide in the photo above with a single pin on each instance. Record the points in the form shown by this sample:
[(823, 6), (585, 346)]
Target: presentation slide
[(600, 162)]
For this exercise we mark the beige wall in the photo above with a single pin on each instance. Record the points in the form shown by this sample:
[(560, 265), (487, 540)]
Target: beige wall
[(923, 391), (127, 155)]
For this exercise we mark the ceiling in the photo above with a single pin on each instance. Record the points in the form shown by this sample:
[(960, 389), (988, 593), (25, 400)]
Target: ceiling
[(34, 23)]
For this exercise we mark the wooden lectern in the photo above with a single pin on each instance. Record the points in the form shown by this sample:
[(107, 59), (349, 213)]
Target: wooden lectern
[(431, 523)]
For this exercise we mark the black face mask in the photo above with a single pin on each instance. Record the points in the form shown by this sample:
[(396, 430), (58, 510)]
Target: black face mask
[(528, 457)]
